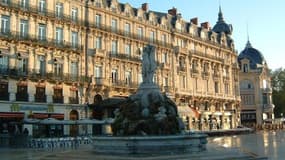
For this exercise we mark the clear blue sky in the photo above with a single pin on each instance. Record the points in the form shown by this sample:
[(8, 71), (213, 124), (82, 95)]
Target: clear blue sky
[(265, 19)]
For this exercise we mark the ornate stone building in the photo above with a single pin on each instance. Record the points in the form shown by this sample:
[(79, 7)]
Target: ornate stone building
[(56, 55), (255, 87)]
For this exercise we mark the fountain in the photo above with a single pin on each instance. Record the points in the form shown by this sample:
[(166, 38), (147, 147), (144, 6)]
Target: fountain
[(148, 122)]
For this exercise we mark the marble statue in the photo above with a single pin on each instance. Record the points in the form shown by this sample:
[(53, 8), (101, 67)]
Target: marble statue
[(148, 64)]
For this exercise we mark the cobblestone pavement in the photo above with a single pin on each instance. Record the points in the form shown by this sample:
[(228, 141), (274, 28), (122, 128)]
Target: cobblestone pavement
[(85, 153)]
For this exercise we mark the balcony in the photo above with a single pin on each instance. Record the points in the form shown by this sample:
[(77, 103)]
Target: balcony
[(22, 97), (205, 55), (4, 96), (34, 39), (216, 75), (226, 77), (121, 32), (194, 72), (40, 98), (48, 13), (267, 90), (181, 69), (73, 100), (123, 56), (57, 99), (96, 52), (179, 49), (206, 74), (98, 81), (124, 84), (268, 107)]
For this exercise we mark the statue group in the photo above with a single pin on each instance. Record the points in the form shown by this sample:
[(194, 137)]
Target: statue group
[(148, 112)]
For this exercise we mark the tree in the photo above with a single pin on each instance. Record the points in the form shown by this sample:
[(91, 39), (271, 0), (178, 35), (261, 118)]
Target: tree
[(278, 95)]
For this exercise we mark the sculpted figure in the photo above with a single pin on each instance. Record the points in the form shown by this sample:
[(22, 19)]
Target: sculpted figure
[(148, 64)]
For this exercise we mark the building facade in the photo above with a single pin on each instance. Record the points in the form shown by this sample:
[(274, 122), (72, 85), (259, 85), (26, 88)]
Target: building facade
[(56, 55), (255, 87)]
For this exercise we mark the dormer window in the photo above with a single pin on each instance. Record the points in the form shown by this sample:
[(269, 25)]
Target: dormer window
[(245, 67)]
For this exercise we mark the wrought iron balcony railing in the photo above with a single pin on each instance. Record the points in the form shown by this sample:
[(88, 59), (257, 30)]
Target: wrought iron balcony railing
[(40, 98), (43, 12), (73, 100), (123, 56), (42, 41)]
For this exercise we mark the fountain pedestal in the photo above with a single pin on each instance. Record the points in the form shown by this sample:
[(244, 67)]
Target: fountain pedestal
[(150, 144)]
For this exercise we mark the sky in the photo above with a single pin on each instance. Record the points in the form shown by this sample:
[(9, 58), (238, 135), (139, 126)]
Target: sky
[(262, 21)]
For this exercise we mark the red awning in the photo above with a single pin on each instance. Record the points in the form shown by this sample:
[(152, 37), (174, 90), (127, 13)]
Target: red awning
[(48, 115), (12, 114)]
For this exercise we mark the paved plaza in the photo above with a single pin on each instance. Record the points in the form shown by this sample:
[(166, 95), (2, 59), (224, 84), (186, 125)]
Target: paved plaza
[(213, 152)]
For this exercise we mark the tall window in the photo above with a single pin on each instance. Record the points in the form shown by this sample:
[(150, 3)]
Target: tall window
[(216, 87), (151, 36), (98, 43), (4, 90), (226, 88), (42, 6), (74, 39), (165, 81), (114, 25), (40, 95), (128, 50), (42, 32), (24, 4), (183, 81), (57, 95), (73, 99), (59, 10), (24, 28), (128, 77), (140, 32), (98, 71), (98, 20), (164, 58), (5, 24), (74, 14), (58, 35), (41, 65), (114, 47), (22, 93), (114, 75), (245, 67), (3, 64), (22, 66), (98, 74), (74, 70), (57, 69), (127, 28), (163, 39)]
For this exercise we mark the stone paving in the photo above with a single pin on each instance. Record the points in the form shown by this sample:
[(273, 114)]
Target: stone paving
[(213, 152)]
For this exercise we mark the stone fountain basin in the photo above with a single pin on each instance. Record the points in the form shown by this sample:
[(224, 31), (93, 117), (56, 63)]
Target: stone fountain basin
[(150, 144)]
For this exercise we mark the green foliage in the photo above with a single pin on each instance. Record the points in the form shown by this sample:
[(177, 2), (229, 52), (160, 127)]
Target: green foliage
[(278, 95)]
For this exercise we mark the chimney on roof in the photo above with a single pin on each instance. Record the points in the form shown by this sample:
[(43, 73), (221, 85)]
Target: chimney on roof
[(194, 21), (172, 11), (145, 7), (205, 25)]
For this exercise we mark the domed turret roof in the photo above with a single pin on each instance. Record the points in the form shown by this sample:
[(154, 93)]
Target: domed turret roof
[(221, 25), (253, 55)]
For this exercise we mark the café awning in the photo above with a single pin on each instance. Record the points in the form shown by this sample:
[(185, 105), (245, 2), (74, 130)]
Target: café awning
[(12, 114)]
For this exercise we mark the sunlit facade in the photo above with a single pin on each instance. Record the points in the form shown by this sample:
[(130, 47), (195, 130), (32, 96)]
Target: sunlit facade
[(255, 87), (56, 55)]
